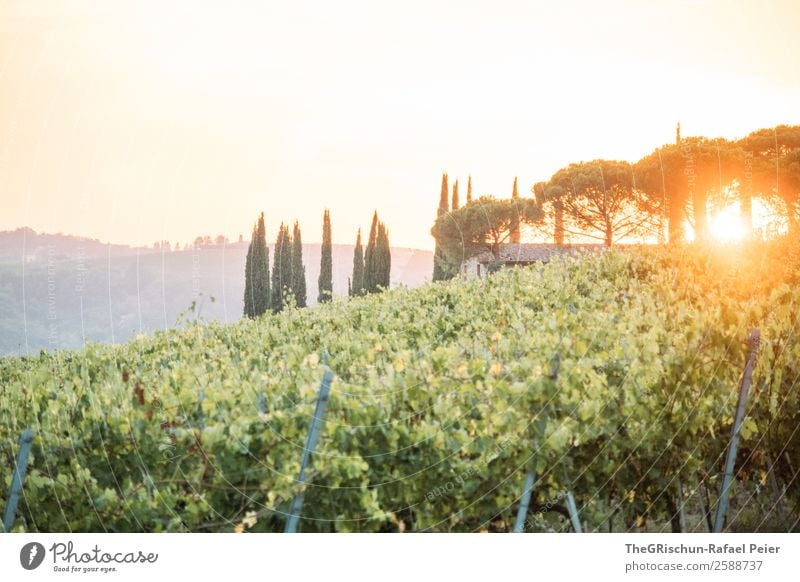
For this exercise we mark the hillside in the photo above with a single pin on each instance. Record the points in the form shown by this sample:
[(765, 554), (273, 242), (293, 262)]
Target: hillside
[(77, 288), (612, 376)]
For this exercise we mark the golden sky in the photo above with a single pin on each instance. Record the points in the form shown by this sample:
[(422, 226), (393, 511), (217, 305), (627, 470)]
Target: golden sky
[(133, 121)]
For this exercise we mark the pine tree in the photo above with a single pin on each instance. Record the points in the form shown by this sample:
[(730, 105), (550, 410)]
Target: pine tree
[(454, 205), (357, 280), (515, 232), (438, 258), (325, 281), (469, 189), (370, 259), (257, 296), (298, 269)]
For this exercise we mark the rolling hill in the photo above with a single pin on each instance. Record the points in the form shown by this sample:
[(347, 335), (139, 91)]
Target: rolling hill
[(59, 291)]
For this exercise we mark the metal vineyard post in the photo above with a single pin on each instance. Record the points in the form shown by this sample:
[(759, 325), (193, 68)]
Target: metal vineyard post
[(730, 461), (25, 444)]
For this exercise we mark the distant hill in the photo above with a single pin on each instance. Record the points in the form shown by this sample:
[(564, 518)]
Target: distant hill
[(77, 289), (26, 244)]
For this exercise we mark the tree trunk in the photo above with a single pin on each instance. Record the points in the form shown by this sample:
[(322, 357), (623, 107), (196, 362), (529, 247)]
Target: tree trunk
[(675, 216), (558, 233), (746, 205), (495, 248), (609, 234), (791, 219), (515, 235), (699, 202)]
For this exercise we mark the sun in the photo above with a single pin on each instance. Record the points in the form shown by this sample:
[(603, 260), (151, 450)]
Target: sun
[(726, 225)]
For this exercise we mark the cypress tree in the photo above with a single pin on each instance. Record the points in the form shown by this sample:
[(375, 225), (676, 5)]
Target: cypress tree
[(454, 205), (287, 263), (379, 258), (515, 233), (325, 281), (282, 268), (438, 258), (384, 257), (370, 259), (443, 195), (257, 299), (277, 280), (249, 298), (387, 257), (469, 189), (298, 269), (357, 281), (261, 268)]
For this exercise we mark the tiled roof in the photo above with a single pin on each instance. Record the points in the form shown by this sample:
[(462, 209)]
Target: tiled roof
[(533, 252)]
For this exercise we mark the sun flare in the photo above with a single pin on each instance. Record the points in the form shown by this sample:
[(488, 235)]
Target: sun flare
[(726, 224)]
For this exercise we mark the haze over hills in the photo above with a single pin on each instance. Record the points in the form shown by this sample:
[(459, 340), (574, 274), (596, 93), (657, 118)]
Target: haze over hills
[(57, 291)]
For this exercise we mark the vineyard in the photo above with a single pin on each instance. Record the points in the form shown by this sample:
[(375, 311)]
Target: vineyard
[(612, 376)]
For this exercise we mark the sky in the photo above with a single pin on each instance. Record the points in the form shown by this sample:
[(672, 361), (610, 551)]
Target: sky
[(137, 121)]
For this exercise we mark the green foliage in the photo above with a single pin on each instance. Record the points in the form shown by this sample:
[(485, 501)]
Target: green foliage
[(325, 281), (494, 266), (614, 374)]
